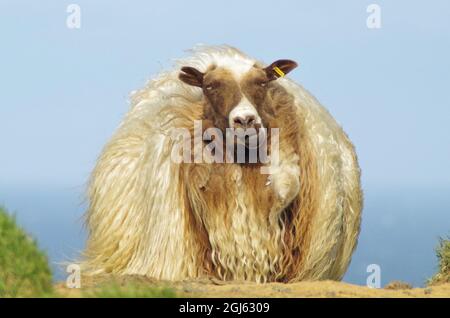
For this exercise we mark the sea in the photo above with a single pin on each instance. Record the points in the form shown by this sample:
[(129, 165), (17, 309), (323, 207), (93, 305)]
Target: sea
[(399, 233)]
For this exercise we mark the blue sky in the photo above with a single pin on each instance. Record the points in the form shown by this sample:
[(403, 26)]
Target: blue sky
[(64, 91)]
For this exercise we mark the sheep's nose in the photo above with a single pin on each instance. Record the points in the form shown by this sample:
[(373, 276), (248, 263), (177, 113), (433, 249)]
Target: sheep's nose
[(244, 122)]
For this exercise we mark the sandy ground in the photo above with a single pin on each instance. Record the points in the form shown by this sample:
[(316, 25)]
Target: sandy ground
[(208, 288)]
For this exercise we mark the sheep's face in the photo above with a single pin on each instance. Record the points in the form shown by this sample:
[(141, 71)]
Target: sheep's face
[(245, 102)]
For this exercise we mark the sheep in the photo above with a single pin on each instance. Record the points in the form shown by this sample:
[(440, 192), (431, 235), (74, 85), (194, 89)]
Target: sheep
[(151, 215)]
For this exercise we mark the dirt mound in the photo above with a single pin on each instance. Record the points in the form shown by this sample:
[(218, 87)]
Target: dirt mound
[(212, 288)]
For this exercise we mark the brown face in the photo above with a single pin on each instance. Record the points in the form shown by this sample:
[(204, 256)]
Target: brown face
[(244, 103)]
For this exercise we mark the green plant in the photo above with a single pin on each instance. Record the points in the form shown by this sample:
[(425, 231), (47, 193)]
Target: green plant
[(24, 269), (443, 255), (129, 290)]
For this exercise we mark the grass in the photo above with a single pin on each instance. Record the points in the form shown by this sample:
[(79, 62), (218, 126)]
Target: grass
[(443, 255), (129, 290), (24, 269)]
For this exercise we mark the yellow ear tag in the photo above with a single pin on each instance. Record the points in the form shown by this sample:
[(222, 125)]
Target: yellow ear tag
[(278, 71)]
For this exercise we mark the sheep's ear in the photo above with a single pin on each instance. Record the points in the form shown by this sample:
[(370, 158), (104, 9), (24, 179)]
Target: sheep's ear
[(279, 68), (191, 76)]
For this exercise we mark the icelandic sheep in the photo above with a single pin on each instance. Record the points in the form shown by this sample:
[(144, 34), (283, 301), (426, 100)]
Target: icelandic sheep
[(152, 215)]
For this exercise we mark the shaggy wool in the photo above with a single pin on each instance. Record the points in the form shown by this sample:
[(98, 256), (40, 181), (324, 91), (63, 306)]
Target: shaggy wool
[(151, 216)]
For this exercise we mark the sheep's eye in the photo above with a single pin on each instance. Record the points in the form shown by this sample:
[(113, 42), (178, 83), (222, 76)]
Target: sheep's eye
[(209, 87), (262, 84)]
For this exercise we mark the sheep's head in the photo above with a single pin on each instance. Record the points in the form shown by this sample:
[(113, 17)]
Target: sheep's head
[(244, 102)]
